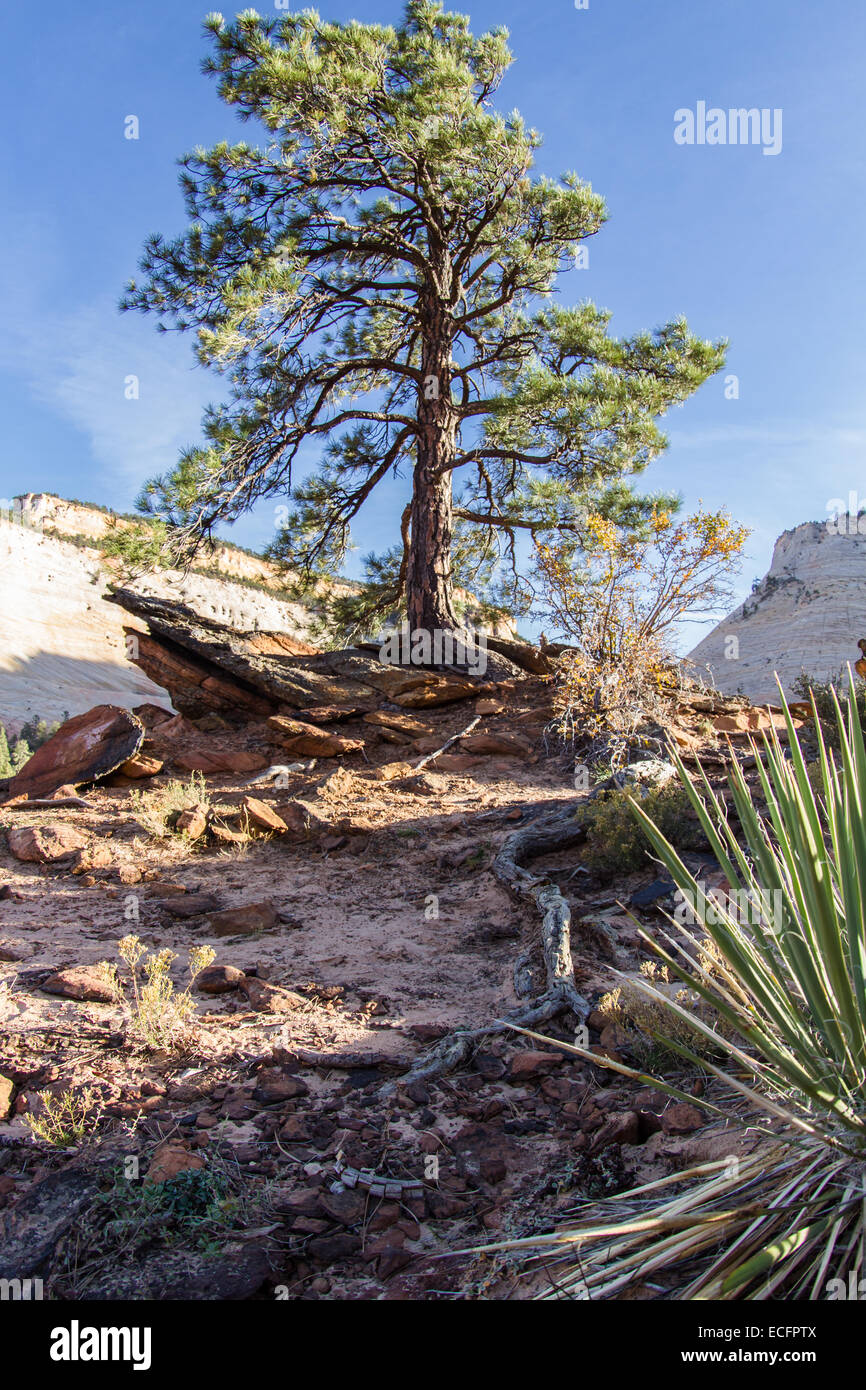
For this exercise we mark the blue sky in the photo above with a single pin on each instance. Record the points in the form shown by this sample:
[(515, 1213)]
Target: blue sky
[(764, 250)]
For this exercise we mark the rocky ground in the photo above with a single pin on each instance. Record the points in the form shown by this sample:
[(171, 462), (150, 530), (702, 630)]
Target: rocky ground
[(350, 901)]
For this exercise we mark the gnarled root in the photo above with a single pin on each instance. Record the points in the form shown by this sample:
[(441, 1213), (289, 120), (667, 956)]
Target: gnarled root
[(543, 836)]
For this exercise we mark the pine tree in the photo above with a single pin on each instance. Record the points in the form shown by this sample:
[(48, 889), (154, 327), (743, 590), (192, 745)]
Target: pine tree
[(374, 282)]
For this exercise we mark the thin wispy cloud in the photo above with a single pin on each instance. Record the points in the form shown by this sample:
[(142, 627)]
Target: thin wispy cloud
[(79, 365)]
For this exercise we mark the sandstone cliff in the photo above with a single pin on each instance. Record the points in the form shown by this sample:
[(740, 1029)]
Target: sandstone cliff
[(62, 646), (805, 615)]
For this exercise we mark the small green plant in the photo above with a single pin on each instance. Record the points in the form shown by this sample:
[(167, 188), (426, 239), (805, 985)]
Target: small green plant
[(160, 1014), (64, 1120), (157, 810), (129, 1221), (616, 843)]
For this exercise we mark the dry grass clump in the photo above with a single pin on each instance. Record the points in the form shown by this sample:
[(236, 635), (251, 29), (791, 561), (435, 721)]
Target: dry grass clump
[(158, 809)]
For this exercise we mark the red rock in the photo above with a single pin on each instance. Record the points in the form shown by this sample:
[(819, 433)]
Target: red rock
[(270, 999), (402, 723), (620, 1127), (613, 1036), (493, 1170), (142, 765), (219, 979), (262, 815), (275, 1087), (489, 706), (506, 745), (80, 982), (391, 771), (84, 749), (347, 1207), (334, 714), (525, 1066), (152, 715), (392, 1260), (192, 822), (44, 844), (681, 1118), (214, 763), (435, 690), (460, 763), (226, 836), (308, 740), (171, 1158), (333, 842), (244, 921), (326, 1249), (300, 820), (6, 1089)]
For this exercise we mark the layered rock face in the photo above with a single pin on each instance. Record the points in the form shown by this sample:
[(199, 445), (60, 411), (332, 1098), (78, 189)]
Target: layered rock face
[(806, 615), (62, 646)]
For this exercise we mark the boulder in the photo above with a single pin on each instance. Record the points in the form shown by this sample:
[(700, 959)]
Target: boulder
[(244, 921), (45, 844), (219, 979), (142, 765), (85, 748), (82, 982)]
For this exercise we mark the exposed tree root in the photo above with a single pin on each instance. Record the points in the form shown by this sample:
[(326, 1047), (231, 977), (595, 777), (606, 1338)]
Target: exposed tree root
[(546, 835)]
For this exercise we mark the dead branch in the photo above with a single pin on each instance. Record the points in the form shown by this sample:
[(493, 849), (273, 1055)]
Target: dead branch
[(447, 744)]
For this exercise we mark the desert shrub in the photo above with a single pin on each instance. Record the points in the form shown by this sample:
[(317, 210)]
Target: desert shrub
[(129, 1221), (616, 841), (655, 1033), (160, 1015), (64, 1120), (617, 592)]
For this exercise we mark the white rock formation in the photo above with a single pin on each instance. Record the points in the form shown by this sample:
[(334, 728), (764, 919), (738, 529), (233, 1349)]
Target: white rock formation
[(62, 646), (806, 615)]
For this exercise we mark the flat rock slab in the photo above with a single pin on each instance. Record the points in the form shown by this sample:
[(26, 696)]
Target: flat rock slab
[(308, 740), (85, 748)]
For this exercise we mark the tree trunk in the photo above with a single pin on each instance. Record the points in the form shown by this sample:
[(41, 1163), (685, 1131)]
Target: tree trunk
[(428, 576)]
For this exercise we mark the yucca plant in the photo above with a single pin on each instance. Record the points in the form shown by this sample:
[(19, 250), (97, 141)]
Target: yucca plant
[(787, 993)]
